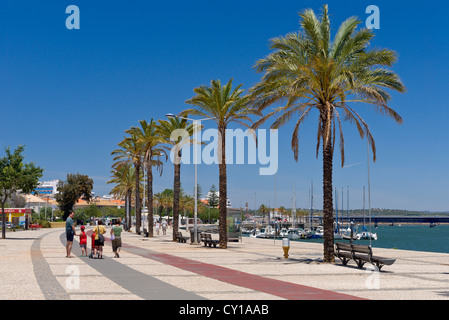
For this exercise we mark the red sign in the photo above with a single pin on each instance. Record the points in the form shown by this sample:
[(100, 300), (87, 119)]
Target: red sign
[(14, 210)]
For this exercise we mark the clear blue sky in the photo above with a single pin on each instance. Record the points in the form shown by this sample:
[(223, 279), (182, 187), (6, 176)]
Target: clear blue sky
[(68, 95)]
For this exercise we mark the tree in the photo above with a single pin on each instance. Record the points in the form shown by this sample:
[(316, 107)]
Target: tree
[(212, 197), (307, 71), (14, 176), (130, 152), (151, 151), (225, 105), (177, 132), (264, 209), (187, 203), (17, 201), (70, 191), (45, 213), (282, 211), (124, 177)]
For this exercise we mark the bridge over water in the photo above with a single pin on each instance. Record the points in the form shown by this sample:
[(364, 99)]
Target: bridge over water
[(375, 220), (391, 219)]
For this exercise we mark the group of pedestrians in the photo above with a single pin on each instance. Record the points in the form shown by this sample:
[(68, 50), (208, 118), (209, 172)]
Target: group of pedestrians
[(162, 224), (97, 238)]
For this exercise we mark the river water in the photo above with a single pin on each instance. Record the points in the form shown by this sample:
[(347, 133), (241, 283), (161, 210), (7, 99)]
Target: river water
[(418, 237)]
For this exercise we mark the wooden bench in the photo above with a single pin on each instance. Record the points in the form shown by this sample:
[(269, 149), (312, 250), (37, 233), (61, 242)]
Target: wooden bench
[(180, 237), (360, 254), (208, 241)]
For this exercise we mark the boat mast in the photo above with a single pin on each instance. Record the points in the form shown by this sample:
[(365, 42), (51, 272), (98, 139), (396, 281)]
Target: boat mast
[(369, 193), (336, 209), (311, 205), (363, 207), (342, 210), (347, 207), (293, 217)]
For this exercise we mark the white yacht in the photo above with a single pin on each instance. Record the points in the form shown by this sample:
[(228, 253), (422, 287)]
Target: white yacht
[(283, 233), (366, 235), (266, 233), (254, 233), (294, 233)]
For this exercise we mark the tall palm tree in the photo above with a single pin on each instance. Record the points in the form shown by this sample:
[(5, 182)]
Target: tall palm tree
[(225, 105), (165, 129), (151, 150), (130, 152), (308, 71)]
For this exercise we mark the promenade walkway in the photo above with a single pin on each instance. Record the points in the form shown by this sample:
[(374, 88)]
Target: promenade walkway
[(35, 267)]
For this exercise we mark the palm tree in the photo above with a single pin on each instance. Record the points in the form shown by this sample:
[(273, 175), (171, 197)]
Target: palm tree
[(225, 105), (187, 203), (151, 151), (165, 129), (165, 200), (307, 71), (130, 152), (124, 178)]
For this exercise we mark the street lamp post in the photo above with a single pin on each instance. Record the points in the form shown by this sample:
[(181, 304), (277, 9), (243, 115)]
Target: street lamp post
[(196, 122)]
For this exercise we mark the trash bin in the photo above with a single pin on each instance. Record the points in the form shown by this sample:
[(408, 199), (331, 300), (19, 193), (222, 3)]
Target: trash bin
[(192, 236)]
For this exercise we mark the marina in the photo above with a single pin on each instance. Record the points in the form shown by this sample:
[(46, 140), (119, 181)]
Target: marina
[(417, 237)]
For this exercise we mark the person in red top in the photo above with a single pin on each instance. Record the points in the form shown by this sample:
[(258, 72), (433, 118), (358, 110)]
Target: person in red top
[(83, 242)]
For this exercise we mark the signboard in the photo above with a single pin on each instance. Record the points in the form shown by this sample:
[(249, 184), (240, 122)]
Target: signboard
[(16, 210)]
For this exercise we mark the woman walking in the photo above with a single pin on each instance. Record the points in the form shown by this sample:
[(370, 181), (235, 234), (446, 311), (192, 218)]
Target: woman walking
[(99, 230), (116, 238)]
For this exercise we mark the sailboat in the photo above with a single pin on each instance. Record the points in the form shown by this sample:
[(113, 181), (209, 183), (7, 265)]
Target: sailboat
[(365, 234), (310, 233), (337, 232), (293, 233), (348, 233)]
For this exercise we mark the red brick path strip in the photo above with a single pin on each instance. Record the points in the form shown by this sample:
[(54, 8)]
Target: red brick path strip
[(283, 289)]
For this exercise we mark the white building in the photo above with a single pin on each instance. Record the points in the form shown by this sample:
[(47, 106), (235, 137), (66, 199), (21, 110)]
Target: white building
[(47, 188)]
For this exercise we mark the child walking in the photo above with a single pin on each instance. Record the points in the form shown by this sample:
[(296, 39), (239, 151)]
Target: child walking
[(83, 242)]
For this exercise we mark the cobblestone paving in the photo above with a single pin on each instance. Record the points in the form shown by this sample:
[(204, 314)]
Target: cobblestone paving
[(50, 287)]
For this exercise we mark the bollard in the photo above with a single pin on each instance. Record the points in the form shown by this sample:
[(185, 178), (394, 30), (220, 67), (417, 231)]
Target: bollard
[(285, 246)]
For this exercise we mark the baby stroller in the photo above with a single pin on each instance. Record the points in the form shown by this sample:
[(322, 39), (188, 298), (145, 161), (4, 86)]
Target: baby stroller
[(94, 248)]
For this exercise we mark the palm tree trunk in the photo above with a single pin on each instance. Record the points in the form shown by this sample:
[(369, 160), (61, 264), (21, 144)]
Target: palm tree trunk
[(3, 220), (328, 214), (176, 192), (222, 228), (138, 212), (130, 200), (126, 208), (150, 198)]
